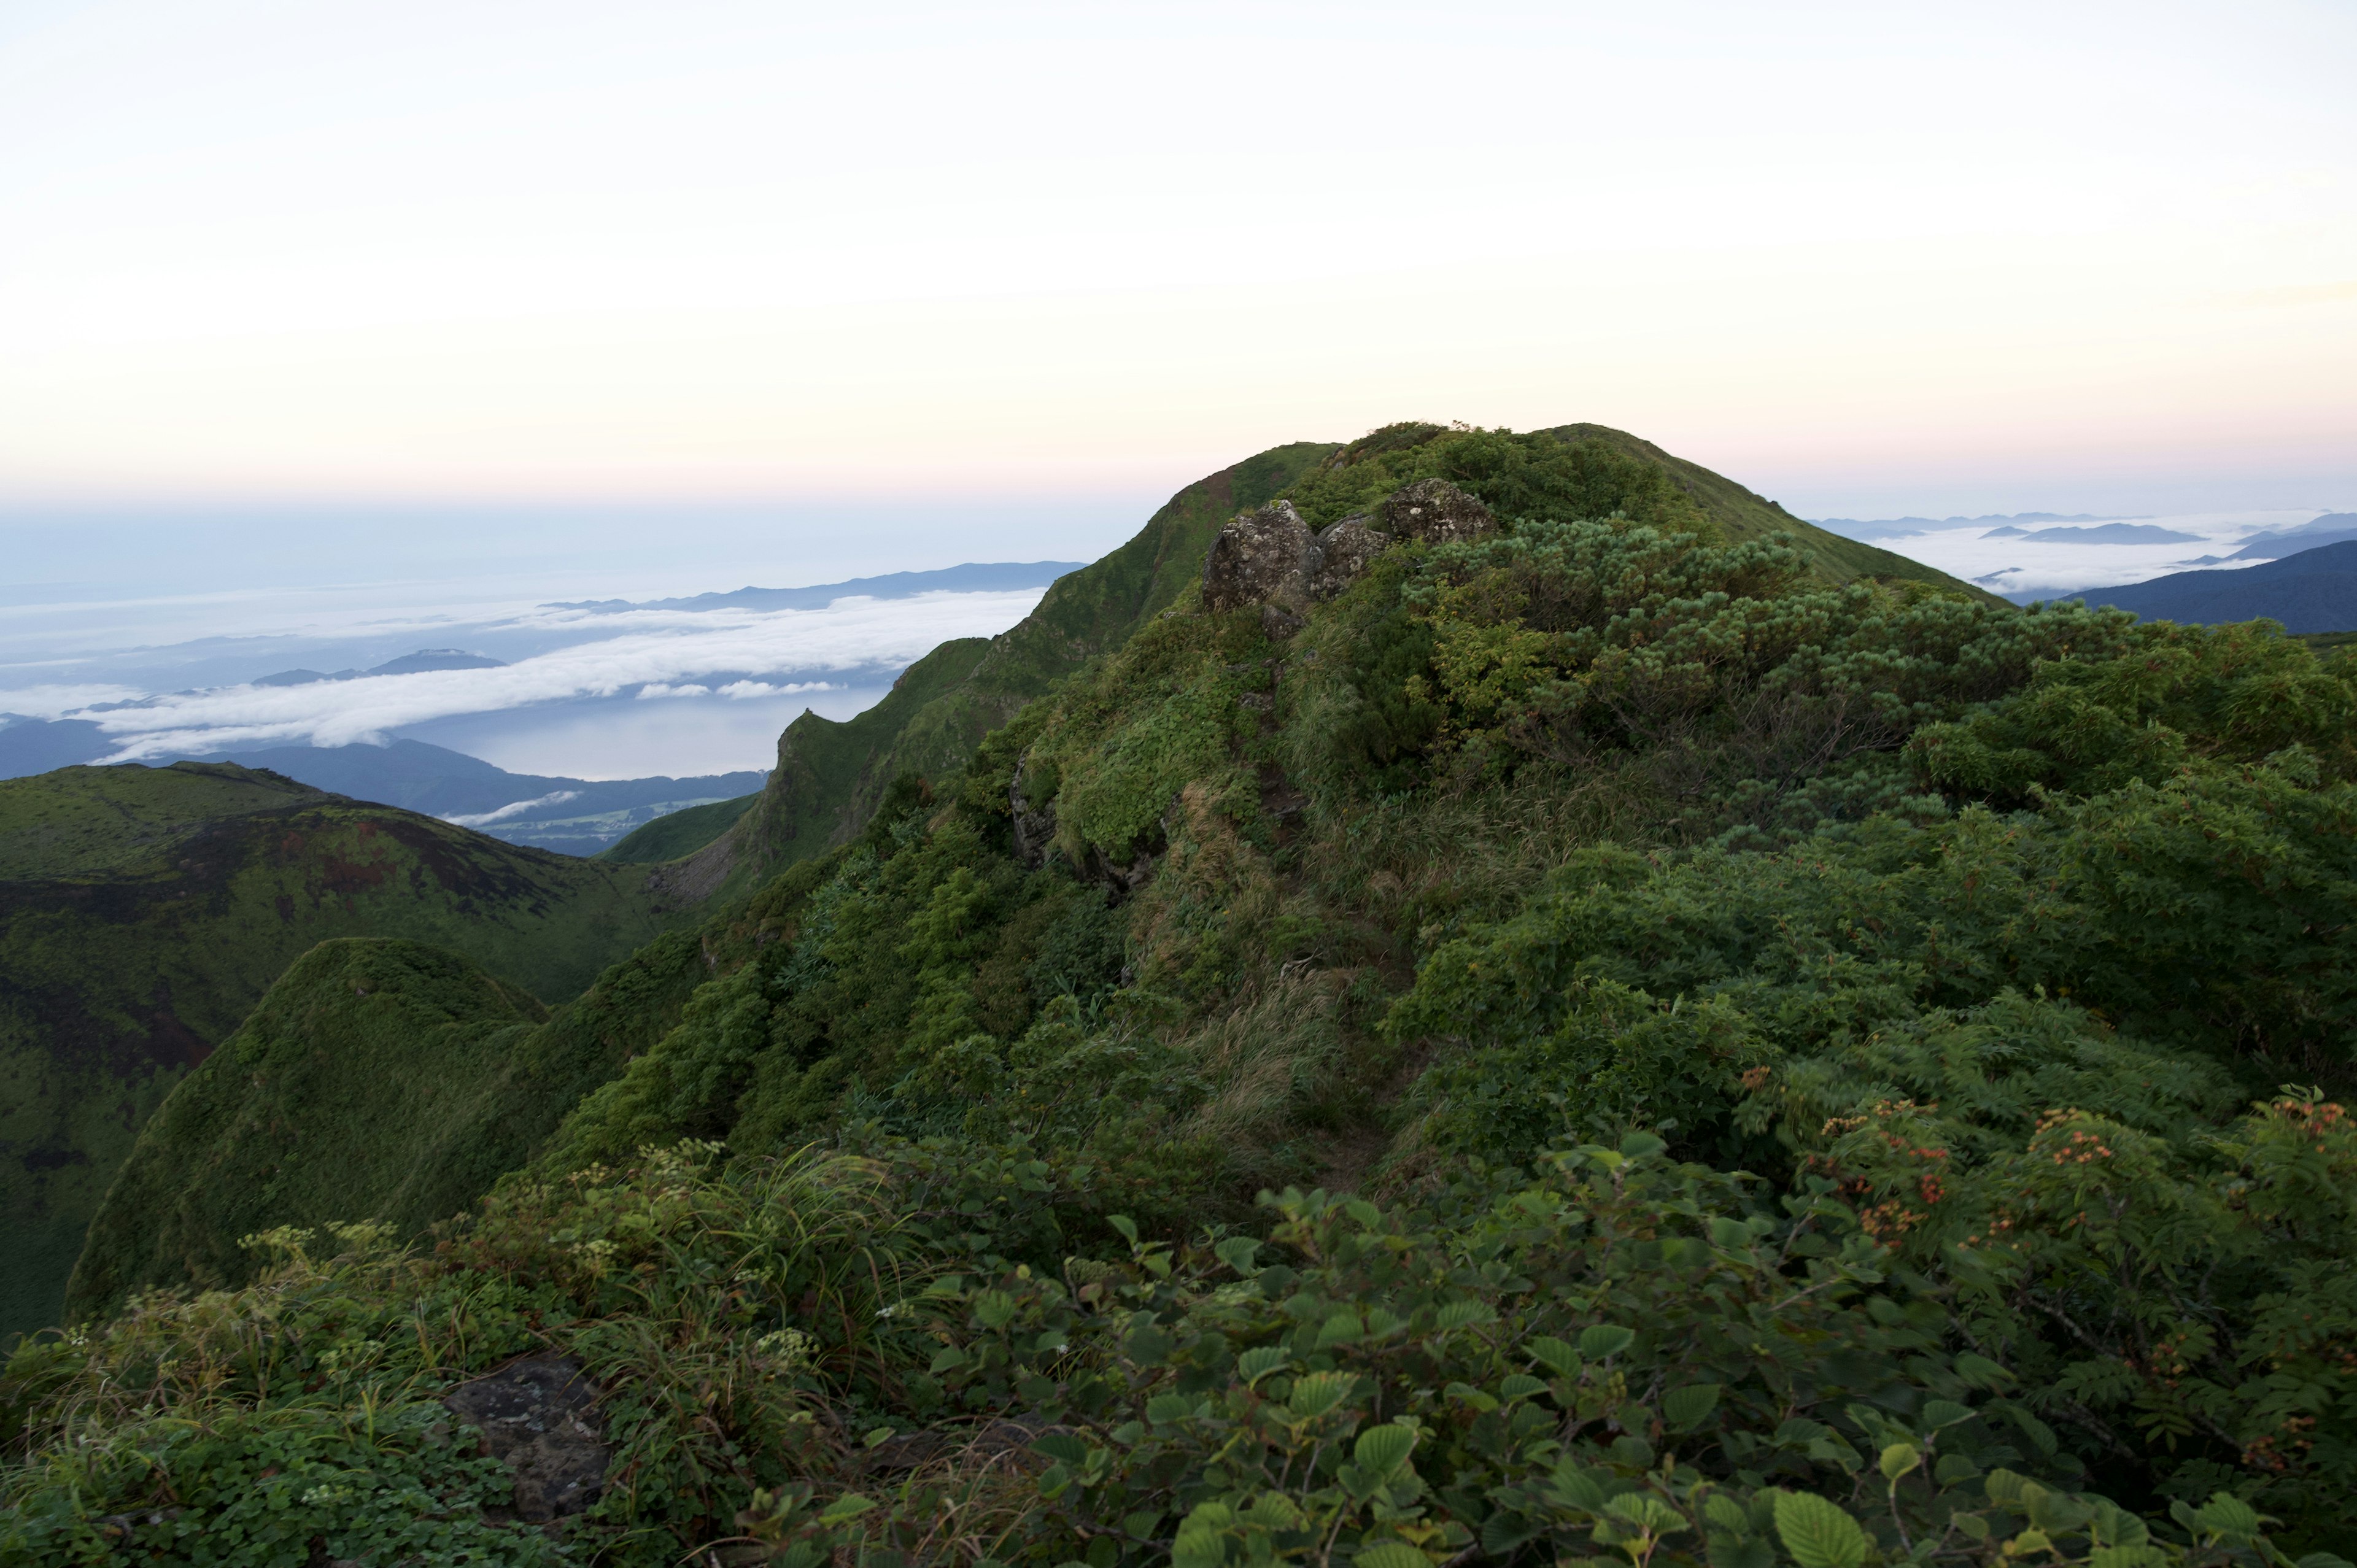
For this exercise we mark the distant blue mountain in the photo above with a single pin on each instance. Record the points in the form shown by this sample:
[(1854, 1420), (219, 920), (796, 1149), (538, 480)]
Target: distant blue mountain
[(571, 816), (974, 577), (417, 663), (2331, 529), (2315, 590), (1902, 527), (2111, 533)]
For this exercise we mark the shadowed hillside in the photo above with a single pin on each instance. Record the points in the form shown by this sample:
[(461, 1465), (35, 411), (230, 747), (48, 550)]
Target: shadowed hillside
[(143, 910)]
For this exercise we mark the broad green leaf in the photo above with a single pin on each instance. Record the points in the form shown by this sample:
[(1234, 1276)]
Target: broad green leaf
[(1647, 1513), (1731, 1234), (1981, 1372), (1520, 1386), (1684, 1407), (1062, 1445), (1275, 1510), (1319, 1393), (1898, 1458), (1392, 1554), (1605, 1339), (1938, 1414), (2227, 1515), (1558, 1357), (1382, 1449), (1342, 1328), (1726, 1512), (1237, 1252), (1261, 1361), (1817, 1532), (1458, 1314)]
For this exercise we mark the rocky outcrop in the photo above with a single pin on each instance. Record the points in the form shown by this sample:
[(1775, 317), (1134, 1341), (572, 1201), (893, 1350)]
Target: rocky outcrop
[(539, 1416), (1343, 551), (1271, 559), (1034, 825), (1434, 510), (1260, 558)]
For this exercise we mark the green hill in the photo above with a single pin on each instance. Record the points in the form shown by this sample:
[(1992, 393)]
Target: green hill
[(142, 912), (1611, 1029), (830, 773), (677, 834)]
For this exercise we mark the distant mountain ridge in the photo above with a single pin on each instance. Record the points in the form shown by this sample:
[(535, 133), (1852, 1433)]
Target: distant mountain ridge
[(2313, 591), (2100, 533), (570, 816), (2331, 529), (1905, 527), (418, 664), (973, 577)]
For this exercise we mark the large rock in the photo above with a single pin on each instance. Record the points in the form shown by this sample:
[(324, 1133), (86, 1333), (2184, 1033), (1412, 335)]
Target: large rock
[(1260, 558), (540, 1417), (1342, 553), (1434, 510)]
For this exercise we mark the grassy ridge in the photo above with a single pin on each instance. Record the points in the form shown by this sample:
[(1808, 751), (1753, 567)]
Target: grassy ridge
[(677, 834), (144, 912), (831, 774)]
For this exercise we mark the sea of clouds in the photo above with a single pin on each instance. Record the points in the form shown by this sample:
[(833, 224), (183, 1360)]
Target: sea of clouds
[(2024, 569), (575, 694)]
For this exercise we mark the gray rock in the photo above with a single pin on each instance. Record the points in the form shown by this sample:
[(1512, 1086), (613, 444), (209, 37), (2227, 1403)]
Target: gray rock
[(1260, 557), (540, 1417), (1434, 510), (1342, 553), (1035, 825)]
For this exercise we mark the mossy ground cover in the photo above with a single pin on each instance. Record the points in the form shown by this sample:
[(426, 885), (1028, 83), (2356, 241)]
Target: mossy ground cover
[(1614, 1043), (146, 909)]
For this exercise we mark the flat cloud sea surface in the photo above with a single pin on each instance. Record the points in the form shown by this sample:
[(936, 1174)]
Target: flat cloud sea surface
[(582, 694), (2024, 569)]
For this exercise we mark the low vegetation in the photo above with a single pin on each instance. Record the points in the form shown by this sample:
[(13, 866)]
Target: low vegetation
[(143, 911), (1615, 1042)]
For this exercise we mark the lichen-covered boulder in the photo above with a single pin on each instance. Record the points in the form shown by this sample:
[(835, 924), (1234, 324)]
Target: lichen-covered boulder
[(1342, 553), (1260, 557), (539, 1416), (1434, 510)]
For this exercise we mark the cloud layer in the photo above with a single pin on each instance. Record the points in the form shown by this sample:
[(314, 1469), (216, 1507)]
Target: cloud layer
[(735, 656)]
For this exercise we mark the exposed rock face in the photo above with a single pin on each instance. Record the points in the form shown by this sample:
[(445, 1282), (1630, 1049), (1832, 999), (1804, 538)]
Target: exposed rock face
[(540, 1416), (1035, 826), (1343, 551), (1270, 558), (1434, 510), (1260, 557)]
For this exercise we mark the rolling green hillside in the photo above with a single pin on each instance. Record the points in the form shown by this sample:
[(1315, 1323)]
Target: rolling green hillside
[(1613, 1030), (677, 834), (830, 773), (142, 912)]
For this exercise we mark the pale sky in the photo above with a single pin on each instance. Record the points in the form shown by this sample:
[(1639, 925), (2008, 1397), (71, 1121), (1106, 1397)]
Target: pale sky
[(1868, 259)]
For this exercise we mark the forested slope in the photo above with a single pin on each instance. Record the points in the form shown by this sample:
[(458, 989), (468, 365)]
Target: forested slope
[(1595, 1039), (143, 910)]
